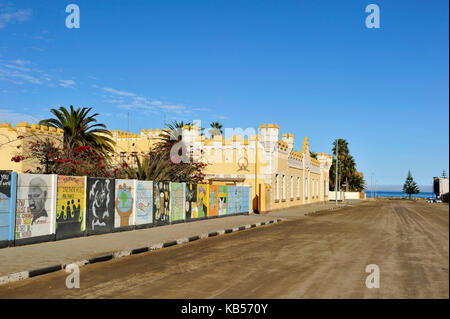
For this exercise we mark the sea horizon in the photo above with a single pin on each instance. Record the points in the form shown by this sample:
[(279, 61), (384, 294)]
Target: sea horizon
[(371, 194)]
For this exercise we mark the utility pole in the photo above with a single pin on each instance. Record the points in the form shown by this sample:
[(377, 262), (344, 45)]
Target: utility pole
[(337, 168), (128, 133)]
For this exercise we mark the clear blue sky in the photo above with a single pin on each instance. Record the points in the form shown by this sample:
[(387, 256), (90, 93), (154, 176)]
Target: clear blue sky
[(310, 66)]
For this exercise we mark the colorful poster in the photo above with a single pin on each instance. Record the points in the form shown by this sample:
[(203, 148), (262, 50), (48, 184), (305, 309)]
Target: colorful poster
[(35, 207), (161, 201), (231, 200), (177, 201), (144, 202), (239, 199), (6, 214), (124, 203), (213, 200), (191, 201), (222, 204), (100, 205), (70, 206), (202, 200), (243, 199)]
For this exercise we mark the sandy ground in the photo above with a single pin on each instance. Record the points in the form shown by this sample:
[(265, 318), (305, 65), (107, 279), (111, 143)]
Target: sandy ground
[(323, 255)]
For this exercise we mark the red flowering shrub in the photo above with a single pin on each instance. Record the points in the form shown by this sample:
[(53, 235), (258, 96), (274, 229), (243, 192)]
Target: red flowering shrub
[(78, 161)]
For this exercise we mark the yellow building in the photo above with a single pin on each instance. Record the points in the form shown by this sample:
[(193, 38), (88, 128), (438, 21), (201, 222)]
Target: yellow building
[(13, 140), (279, 176)]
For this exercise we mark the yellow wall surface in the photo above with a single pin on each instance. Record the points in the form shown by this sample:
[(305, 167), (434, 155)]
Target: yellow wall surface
[(14, 140)]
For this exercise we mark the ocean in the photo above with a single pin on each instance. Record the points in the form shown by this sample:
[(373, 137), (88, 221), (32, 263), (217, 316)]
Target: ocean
[(398, 194)]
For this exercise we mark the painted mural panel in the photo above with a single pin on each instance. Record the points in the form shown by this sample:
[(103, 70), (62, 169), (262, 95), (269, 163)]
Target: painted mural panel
[(124, 203), (239, 195), (202, 200), (161, 201), (5, 205), (213, 200), (245, 200), (191, 201), (144, 202), (222, 199), (70, 206), (231, 200), (177, 201), (100, 205), (35, 206)]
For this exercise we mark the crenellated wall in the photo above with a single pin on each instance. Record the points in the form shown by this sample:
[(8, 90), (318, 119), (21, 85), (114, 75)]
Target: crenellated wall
[(279, 175), (14, 139)]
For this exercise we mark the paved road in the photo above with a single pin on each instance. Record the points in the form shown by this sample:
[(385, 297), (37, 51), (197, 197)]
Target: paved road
[(323, 255)]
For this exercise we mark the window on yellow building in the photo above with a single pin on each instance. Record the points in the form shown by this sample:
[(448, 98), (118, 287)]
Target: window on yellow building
[(277, 188), (283, 186), (292, 187)]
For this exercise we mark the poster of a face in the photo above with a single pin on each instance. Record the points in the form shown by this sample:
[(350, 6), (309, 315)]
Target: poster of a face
[(144, 202), (124, 203), (161, 197), (191, 201), (5, 194), (231, 200), (100, 205), (70, 209), (213, 200), (202, 200), (35, 193), (222, 199), (177, 201)]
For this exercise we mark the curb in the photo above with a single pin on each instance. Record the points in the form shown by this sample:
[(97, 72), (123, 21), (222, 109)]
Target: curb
[(96, 259)]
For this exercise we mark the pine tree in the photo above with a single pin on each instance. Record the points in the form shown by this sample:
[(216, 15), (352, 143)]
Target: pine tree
[(444, 174), (410, 187)]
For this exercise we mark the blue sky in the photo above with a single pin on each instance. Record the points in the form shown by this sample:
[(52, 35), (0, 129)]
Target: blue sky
[(312, 67)]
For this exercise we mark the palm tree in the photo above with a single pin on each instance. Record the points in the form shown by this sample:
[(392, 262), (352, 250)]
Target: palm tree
[(347, 168), (172, 133), (80, 130), (216, 129)]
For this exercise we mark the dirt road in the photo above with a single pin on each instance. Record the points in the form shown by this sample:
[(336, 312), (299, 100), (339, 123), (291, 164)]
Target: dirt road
[(319, 256)]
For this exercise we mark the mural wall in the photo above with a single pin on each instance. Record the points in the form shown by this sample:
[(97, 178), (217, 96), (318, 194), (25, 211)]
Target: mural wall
[(35, 206), (177, 201), (124, 203), (144, 203), (203, 200), (231, 200), (70, 206), (191, 201), (161, 201), (213, 200), (222, 199), (7, 206), (100, 205)]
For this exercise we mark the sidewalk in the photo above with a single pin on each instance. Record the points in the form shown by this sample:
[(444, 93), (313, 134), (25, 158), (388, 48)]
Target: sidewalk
[(31, 259)]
